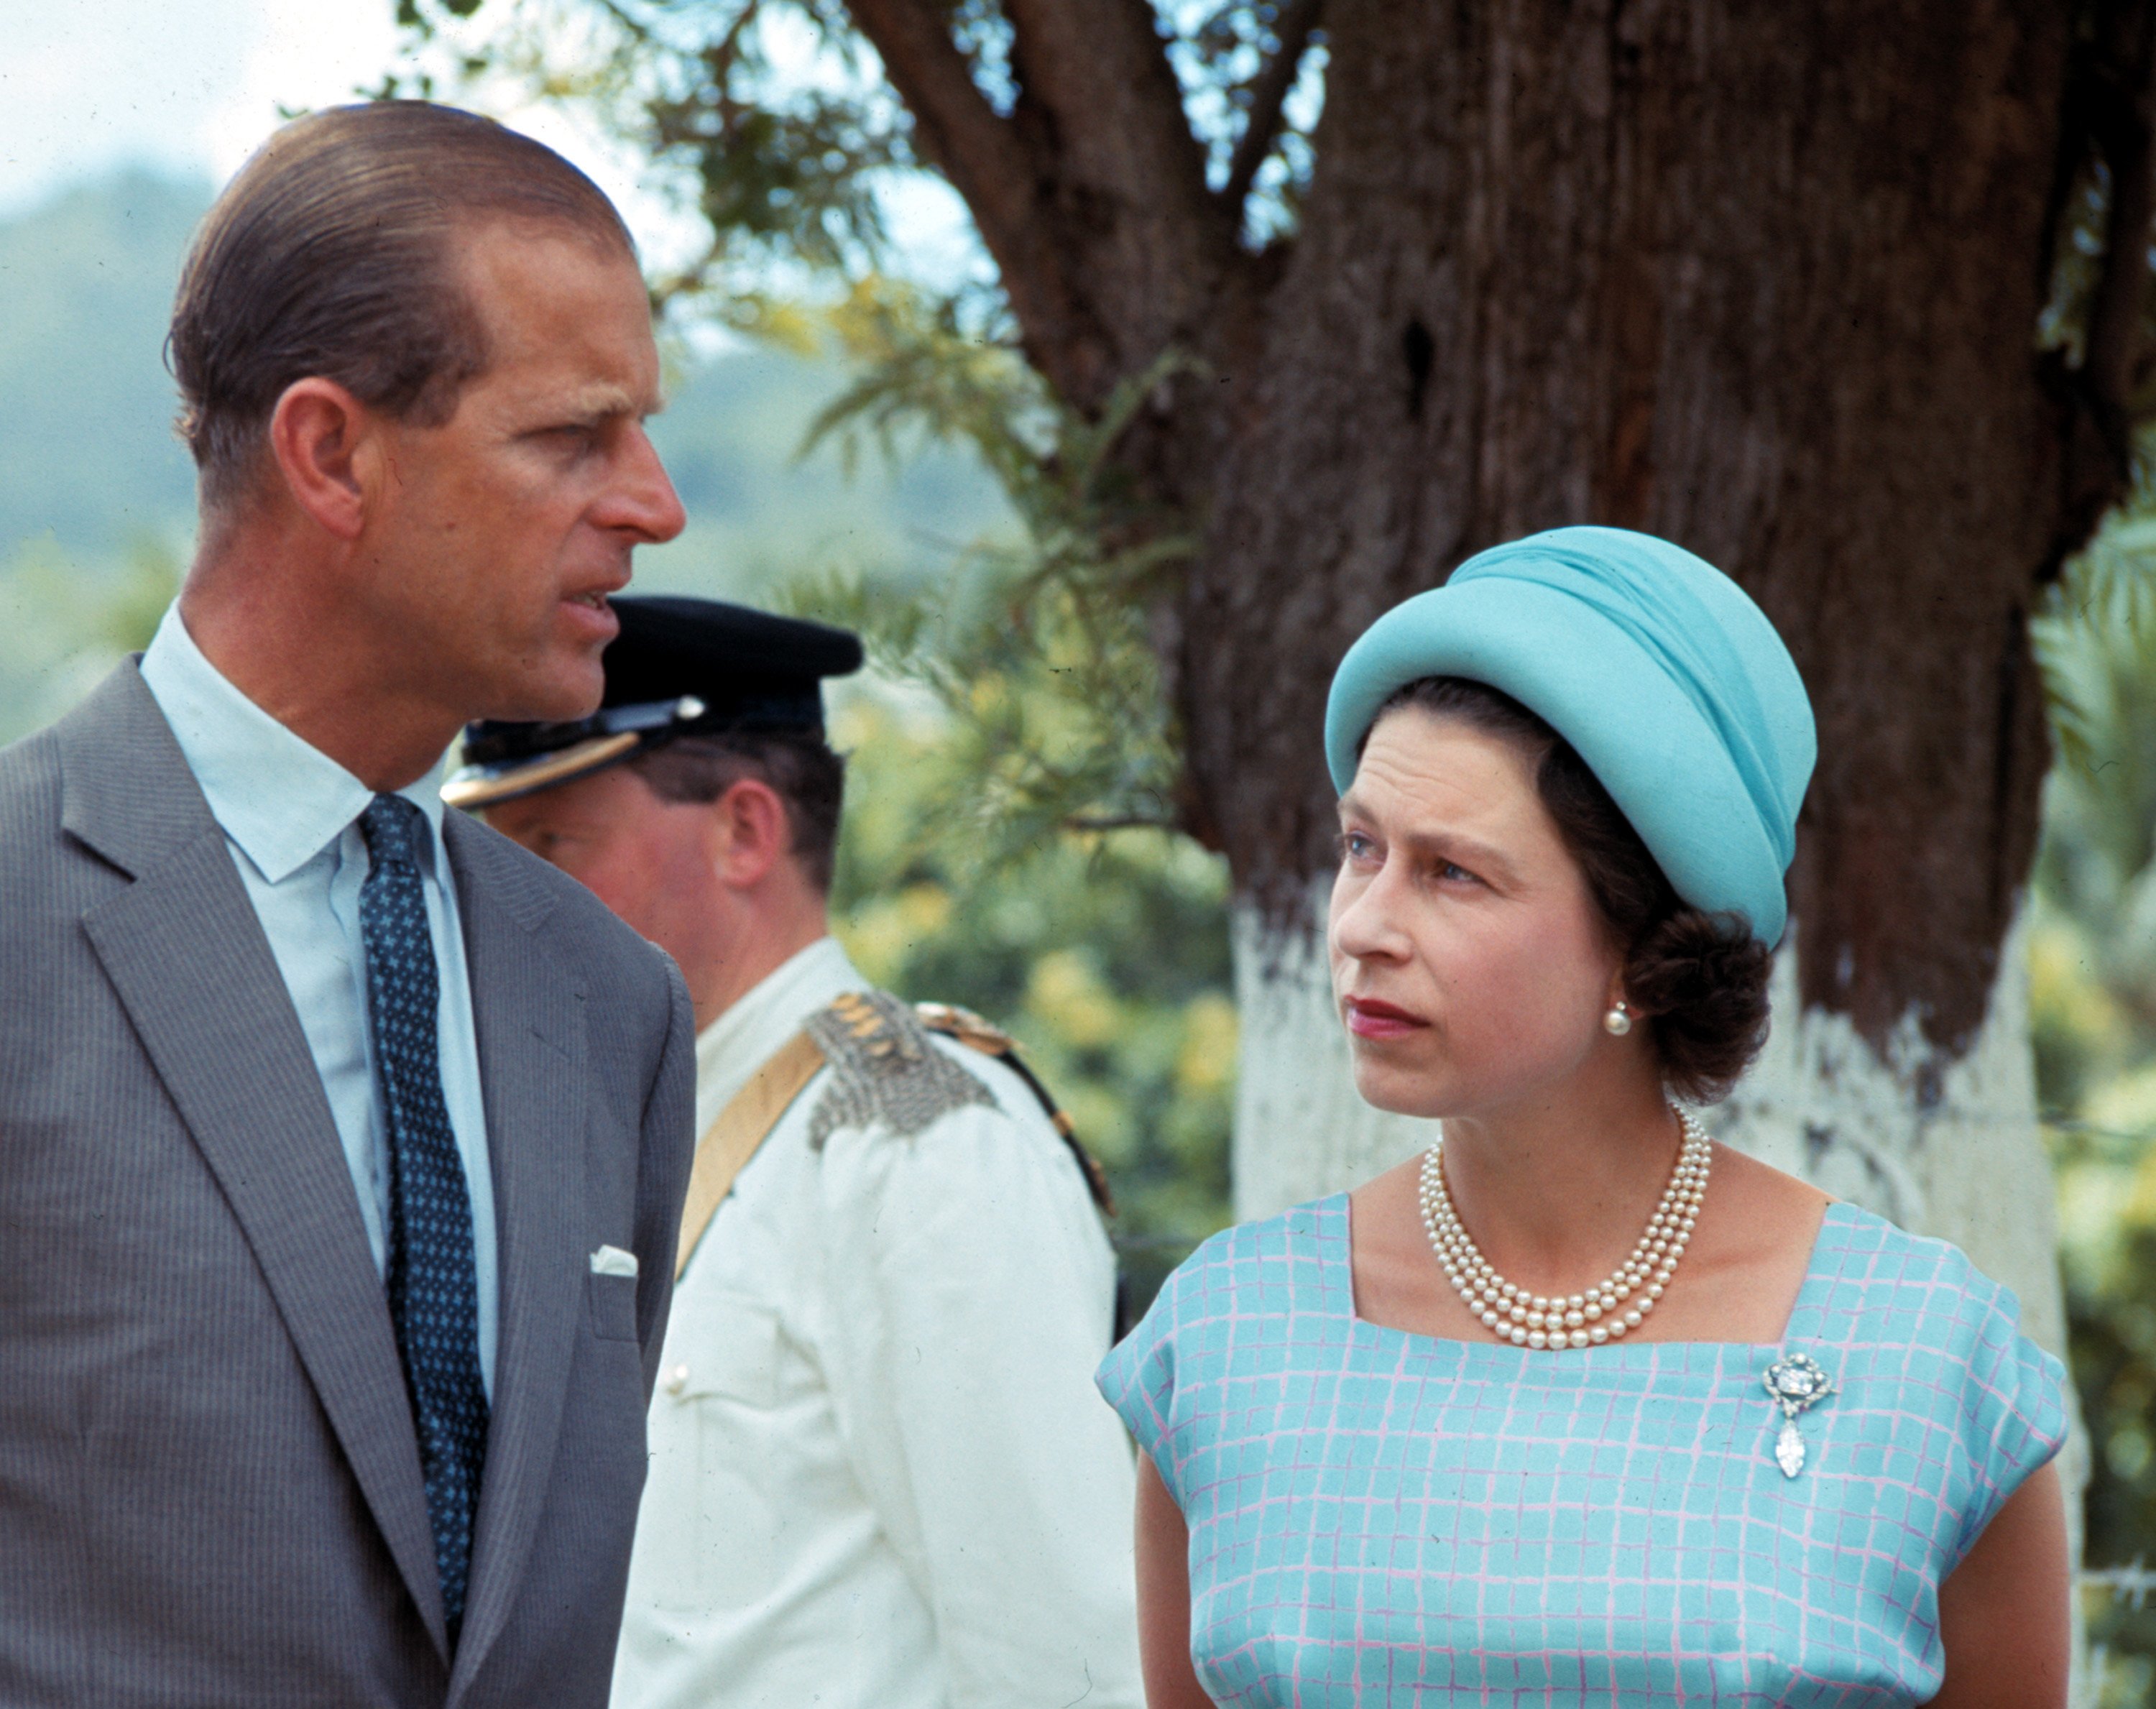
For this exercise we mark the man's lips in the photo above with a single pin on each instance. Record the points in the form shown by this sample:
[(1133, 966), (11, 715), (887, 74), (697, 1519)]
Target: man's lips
[(590, 612), (1370, 1018)]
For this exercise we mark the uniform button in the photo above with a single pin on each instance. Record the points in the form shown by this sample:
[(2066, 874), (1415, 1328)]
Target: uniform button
[(677, 1379)]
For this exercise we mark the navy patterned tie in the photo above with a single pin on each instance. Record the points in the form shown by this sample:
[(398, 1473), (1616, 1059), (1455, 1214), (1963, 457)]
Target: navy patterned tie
[(433, 1282)]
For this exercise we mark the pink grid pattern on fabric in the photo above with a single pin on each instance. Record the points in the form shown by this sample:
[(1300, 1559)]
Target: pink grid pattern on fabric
[(1379, 1518)]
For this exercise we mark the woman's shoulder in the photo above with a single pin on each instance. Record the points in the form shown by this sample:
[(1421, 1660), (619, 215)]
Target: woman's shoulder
[(1917, 1308), (1288, 1257), (1276, 1266), (1866, 1266), (1939, 1345), (1230, 1307)]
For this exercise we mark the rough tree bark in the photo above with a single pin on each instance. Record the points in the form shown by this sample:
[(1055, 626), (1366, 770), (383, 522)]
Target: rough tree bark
[(1763, 279)]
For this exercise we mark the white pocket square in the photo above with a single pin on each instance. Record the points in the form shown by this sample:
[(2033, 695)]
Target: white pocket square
[(612, 1260)]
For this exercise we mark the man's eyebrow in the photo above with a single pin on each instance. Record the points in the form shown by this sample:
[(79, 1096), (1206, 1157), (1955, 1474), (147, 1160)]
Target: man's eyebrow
[(606, 403)]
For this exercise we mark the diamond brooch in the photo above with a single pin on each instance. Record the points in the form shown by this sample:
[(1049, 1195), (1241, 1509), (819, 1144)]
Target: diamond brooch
[(1795, 1381)]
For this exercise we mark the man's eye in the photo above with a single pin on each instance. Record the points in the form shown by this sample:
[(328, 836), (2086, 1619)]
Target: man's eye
[(1452, 873), (1355, 845)]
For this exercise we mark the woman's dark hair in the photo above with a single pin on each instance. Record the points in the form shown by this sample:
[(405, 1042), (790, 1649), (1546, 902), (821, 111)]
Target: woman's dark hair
[(1698, 979)]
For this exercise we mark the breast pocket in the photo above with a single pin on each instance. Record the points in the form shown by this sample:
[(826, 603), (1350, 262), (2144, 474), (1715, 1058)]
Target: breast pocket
[(728, 1345), (705, 1538), (612, 1301)]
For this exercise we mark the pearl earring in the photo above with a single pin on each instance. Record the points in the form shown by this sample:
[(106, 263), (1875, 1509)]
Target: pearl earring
[(1618, 1021)]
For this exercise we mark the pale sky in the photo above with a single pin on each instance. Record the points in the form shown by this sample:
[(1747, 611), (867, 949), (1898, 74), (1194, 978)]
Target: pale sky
[(191, 86), (194, 85), (88, 84)]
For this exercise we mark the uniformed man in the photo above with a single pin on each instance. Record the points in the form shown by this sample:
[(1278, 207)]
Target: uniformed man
[(879, 1474)]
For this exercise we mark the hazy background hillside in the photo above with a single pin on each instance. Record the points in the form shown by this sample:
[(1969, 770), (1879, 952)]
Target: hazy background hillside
[(97, 495)]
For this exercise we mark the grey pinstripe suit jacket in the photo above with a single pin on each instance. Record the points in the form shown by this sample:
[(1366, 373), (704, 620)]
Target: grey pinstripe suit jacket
[(209, 1484)]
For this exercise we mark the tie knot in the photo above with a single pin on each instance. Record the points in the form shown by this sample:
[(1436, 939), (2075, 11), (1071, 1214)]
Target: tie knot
[(391, 825)]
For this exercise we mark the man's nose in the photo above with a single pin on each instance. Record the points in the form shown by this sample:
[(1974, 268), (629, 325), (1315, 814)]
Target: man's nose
[(643, 499)]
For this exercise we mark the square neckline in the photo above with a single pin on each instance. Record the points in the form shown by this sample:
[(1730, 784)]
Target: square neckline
[(1805, 1307)]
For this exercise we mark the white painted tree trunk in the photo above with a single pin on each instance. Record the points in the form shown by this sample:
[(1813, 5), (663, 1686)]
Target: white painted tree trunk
[(1941, 1146)]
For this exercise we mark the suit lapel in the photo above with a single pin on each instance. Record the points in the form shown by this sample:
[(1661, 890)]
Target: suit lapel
[(188, 956), (528, 1011)]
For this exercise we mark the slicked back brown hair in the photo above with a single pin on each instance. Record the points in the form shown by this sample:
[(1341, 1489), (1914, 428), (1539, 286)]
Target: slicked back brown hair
[(331, 254)]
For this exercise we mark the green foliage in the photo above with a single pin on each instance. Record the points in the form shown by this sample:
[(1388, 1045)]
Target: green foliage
[(770, 119), (1035, 644), (2095, 640), (66, 619), (767, 118), (2092, 986), (1107, 957), (2096, 888), (1010, 845)]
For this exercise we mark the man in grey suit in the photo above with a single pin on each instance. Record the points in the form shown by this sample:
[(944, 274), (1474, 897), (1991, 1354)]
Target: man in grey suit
[(342, 1143)]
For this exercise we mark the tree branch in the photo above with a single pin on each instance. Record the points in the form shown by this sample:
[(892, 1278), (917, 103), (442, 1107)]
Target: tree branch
[(1269, 95), (2123, 122), (954, 126), (1091, 196)]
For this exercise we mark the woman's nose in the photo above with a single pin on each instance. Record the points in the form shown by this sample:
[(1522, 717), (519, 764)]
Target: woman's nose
[(1365, 918)]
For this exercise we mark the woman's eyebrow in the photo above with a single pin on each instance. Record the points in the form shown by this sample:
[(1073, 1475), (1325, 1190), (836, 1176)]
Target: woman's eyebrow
[(1471, 852)]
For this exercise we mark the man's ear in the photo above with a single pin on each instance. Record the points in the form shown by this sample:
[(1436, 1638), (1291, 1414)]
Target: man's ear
[(326, 444), (751, 832)]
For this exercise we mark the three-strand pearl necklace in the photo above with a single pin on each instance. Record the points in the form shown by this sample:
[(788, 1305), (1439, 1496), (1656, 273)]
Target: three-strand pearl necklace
[(1605, 1313)]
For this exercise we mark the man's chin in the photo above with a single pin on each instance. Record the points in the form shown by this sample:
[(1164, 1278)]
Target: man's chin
[(567, 689)]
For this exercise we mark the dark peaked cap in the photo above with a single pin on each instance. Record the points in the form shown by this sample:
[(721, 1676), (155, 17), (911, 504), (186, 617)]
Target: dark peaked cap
[(678, 667)]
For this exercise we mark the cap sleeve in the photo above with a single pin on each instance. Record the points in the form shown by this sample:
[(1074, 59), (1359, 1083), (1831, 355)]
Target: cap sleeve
[(2013, 1407), (1138, 1377)]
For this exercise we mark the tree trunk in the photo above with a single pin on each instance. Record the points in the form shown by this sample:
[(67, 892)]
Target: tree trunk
[(1763, 280), (1733, 279)]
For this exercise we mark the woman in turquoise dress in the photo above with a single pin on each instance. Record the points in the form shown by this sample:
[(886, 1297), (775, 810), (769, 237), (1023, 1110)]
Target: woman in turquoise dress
[(1579, 1408)]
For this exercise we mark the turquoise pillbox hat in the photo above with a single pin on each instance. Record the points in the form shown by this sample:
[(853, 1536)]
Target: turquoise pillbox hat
[(1661, 673)]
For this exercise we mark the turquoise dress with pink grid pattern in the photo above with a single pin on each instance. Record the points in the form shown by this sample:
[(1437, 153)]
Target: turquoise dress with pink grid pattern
[(1379, 1518)]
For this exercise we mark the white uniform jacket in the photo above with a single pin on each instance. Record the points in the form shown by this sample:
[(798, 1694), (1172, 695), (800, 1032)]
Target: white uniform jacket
[(880, 1476)]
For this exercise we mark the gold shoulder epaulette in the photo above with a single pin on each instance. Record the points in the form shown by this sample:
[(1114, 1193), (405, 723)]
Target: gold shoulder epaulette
[(971, 1030), (884, 1070)]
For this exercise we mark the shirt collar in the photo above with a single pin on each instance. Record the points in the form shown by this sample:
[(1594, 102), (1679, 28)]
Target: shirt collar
[(743, 1038), (280, 798)]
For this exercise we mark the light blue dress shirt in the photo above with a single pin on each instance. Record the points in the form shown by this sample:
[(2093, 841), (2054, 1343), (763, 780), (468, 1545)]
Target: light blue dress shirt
[(289, 814)]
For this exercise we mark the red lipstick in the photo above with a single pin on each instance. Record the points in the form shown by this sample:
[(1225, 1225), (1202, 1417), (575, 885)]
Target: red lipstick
[(1370, 1018)]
